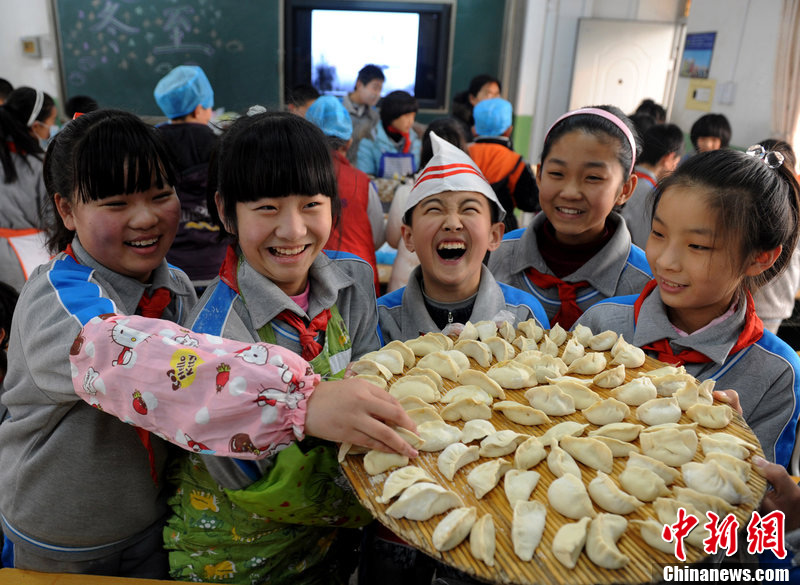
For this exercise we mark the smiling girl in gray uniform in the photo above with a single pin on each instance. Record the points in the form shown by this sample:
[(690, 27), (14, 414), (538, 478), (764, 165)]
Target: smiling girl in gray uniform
[(724, 224), (578, 251)]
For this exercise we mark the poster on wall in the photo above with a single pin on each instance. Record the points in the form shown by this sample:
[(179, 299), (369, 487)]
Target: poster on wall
[(697, 54), (700, 95)]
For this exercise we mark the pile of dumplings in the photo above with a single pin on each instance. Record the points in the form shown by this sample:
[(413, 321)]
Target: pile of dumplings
[(611, 450)]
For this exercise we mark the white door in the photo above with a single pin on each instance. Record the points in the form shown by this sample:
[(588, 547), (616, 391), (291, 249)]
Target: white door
[(621, 62)]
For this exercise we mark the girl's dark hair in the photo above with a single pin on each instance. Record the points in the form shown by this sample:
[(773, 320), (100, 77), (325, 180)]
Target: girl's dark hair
[(98, 155), (756, 206), (659, 141), (396, 104), (715, 125), (272, 154), (448, 129), (14, 115), (477, 82), (651, 108), (600, 128)]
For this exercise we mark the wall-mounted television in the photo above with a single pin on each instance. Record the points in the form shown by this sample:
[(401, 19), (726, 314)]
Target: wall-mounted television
[(328, 41)]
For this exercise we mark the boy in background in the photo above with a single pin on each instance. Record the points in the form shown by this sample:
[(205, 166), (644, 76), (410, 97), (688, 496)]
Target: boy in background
[(300, 98), (186, 98), (360, 104), (511, 178)]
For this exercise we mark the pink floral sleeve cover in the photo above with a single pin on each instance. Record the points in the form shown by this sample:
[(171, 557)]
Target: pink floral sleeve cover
[(204, 393)]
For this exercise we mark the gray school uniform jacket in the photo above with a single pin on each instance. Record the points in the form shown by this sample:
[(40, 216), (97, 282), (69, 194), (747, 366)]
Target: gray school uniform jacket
[(619, 268), (764, 374), (75, 480), (336, 278), (402, 314), (638, 210)]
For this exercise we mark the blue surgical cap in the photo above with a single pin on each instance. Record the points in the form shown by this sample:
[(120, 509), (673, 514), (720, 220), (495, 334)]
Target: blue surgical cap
[(181, 90), (492, 117), (328, 113)]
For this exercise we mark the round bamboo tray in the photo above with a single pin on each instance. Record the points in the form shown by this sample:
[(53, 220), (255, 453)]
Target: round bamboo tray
[(645, 562)]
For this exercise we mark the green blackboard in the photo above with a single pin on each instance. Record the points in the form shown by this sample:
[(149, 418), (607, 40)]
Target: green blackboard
[(117, 50)]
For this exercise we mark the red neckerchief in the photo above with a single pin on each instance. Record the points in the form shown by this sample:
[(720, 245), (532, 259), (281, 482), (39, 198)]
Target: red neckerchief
[(753, 331), (645, 177), (569, 311), (150, 306), (227, 272), (406, 138)]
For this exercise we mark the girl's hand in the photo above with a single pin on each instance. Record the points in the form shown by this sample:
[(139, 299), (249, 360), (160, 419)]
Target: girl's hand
[(786, 493), (729, 397), (355, 411)]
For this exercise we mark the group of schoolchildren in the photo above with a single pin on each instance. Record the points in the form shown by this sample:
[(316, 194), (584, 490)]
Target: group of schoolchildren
[(152, 434)]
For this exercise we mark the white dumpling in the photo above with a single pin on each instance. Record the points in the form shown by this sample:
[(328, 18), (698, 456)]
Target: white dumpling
[(482, 539), (572, 351), (601, 542), (569, 541), (726, 443), (618, 346), (523, 343), (437, 435), (512, 375), (521, 413), (603, 341), (636, 392), (474, 430), (545, 366), (466, 409), (606, 412), (444, 363), (742, 468), (466, 391), (454, 457), (606, 494), (590, 364), (507, 331), (454, 528), (710, 477), (434, 377), (610, 378), (484, 477), (659, 411), (548, 346), (500, 348), (371, 367), (622, 431), (692, 394), (527, 527), (420, 386), (409, 359), (665, 472), (618, 448), (376, 462), (588, 451), (477, 350), (519, 484), (424, 344), (630, 356), (669, 384), (562, 429), (711, 417), (400, 479), (568, 496), (663, 371), (550, 400), (582, 334), (666, 510), (672, 445), (469, 331), (424, 414), (531, 329), (529, 453), (391, 358), (423, 501), (409, 437), (560, 462), (486, 329), (378, 381), (650, 531), (703, 502), (644, 484), (558, 334), (501, 443), (481, 380), (581, 395)]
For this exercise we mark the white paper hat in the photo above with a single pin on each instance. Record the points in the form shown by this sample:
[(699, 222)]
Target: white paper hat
[(450, 169)]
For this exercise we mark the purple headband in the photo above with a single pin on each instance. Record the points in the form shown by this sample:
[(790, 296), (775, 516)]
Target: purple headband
[(608, 116)]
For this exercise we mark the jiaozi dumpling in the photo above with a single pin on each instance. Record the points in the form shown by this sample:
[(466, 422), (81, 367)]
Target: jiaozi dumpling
[(512, 375), (391, 358), (486, 329), (582, 334), (742, 468), (610, 378), (551, 400), (466, 391), (711, 417), (665, 472), (371, 367), (703, 502), (437, 435), (558, 334), (611, 498), (630, 356), (669, 384), (420, 386), (506, 331), (484, 477), (588, 451), (603, 341), (666, 510), (567, 495), (475, 430), (468, 332), (444, 363), (581, 395), (712, 478), (454, 528), (409, 359), (400, 479), (601, 543), (527, 527), (621, 431), (466, 409), (726, 443), (618, 448), (562, 429), (519, 485), (659, 411), (590, 364), (378, 381), (569, 540), (606, 412), (520, 413), (572, 351), (482, 381), (642, 483), (651, 531), (481, 539), (548, 346), (529, 453), (435, 377), (636, 392), (523, 343), (477, 350), (501, 349), (454, 457), (560, 462), (692, 394), (424, 414), (672, 445), (376, 462), (531, 329), (425, 344), (423, 501), (501, 443)]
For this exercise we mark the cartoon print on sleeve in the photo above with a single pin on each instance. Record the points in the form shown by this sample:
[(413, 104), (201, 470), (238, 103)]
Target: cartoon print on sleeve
[(129, 338)]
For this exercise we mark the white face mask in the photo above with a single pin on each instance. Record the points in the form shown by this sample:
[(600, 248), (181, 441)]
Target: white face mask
[(44, 142)]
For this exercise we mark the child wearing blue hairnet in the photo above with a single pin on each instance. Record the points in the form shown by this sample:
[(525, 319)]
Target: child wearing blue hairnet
[(186, 98)]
